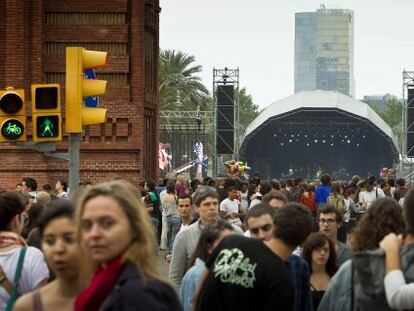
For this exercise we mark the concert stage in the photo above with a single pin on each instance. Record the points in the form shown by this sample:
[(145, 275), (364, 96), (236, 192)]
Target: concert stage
[(318, 130)]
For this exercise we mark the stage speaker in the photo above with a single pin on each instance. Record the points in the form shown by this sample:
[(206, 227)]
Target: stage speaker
[(410, 122), (225, 119)]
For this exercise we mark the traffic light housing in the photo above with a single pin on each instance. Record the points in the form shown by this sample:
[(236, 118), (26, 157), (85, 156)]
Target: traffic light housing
[(76, 115), (12, 115), (46, 113)]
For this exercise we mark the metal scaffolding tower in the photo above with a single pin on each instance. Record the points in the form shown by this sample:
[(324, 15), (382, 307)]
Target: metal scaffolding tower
[(407, 127), (226, 77)]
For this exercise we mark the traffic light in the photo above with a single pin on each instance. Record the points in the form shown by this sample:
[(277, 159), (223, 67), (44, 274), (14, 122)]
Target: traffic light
[(46, 113), (12, 115), (77, 116)]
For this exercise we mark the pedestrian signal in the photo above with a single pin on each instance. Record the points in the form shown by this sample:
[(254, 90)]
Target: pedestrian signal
[(46, 113), (12, 115)]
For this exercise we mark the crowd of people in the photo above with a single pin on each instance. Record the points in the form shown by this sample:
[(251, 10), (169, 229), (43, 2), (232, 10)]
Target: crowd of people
[(95, 252), (230, 245), (315, 227)]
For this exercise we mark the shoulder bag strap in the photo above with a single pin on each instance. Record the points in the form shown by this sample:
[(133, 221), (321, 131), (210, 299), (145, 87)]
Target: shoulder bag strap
[(19, 266), (15, 293)]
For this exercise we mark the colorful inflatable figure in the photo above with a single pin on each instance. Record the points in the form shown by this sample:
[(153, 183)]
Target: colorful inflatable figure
[(387, 173), (237, 169)]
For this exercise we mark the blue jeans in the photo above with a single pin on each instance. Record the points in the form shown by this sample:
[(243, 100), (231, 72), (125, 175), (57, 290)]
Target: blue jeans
[(164, 233), (155, 222), (174, 224)]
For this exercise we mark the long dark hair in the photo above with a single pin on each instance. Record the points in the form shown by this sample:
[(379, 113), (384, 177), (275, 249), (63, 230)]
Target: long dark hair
[(33, 219), (171, 186), (315, 240), (56, 209), (11, 204), (207, 238), (63, 183)]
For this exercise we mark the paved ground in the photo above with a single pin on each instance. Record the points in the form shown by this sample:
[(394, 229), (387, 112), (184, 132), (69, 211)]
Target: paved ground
[(163, 266)]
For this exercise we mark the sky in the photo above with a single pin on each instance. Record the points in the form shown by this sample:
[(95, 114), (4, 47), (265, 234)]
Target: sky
[(257, 36)]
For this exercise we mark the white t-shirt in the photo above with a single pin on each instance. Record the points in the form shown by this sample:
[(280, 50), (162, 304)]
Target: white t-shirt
[(64, 195), (254, 201), (347, 214), (183, 227), (34, 271), (230, 207), (367, 198), (244, 201)]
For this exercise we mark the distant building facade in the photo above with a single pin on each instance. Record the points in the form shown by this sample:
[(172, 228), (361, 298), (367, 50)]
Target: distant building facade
[(324, 51), (378, 101)]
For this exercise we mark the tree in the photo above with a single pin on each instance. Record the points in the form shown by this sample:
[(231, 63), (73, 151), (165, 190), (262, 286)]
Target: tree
[(179, 79), (392, 115), (248, 110)]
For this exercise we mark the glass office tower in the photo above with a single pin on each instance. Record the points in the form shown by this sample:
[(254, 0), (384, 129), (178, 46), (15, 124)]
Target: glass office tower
[(324, 51)]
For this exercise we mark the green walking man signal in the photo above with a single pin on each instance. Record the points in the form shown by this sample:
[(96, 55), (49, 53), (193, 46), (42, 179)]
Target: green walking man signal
[(47, 126), (46, 113)]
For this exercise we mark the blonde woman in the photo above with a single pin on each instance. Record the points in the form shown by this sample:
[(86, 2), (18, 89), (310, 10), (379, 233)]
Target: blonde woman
[(116, 236)]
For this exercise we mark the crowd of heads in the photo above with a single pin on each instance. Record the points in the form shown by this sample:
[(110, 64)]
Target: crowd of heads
[(118, 220)]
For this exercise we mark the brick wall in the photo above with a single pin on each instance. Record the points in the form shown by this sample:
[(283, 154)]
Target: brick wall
[(33, 37)]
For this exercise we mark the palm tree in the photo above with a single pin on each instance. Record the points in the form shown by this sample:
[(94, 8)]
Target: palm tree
[(178, 78)]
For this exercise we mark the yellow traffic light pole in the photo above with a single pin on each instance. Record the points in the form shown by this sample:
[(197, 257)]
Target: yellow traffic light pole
[(77, 116)]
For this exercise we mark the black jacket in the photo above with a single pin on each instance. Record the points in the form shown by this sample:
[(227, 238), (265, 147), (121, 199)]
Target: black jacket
[(134, 292)]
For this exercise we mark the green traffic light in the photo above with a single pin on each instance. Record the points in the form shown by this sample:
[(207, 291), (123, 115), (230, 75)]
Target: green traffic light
[(47, 126), (12, 129)]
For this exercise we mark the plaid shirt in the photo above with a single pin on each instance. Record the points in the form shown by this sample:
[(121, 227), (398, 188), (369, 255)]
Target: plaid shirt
[(300, 278)]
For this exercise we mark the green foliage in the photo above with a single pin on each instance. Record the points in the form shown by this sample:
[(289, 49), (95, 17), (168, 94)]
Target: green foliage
[(248, 110), (181, 89), (178, 80), (392, 115)]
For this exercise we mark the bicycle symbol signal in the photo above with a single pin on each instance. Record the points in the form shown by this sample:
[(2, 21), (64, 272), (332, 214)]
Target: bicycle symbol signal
[(13, 129)]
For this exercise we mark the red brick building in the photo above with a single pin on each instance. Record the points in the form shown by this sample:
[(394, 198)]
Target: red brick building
[(33, 37)]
